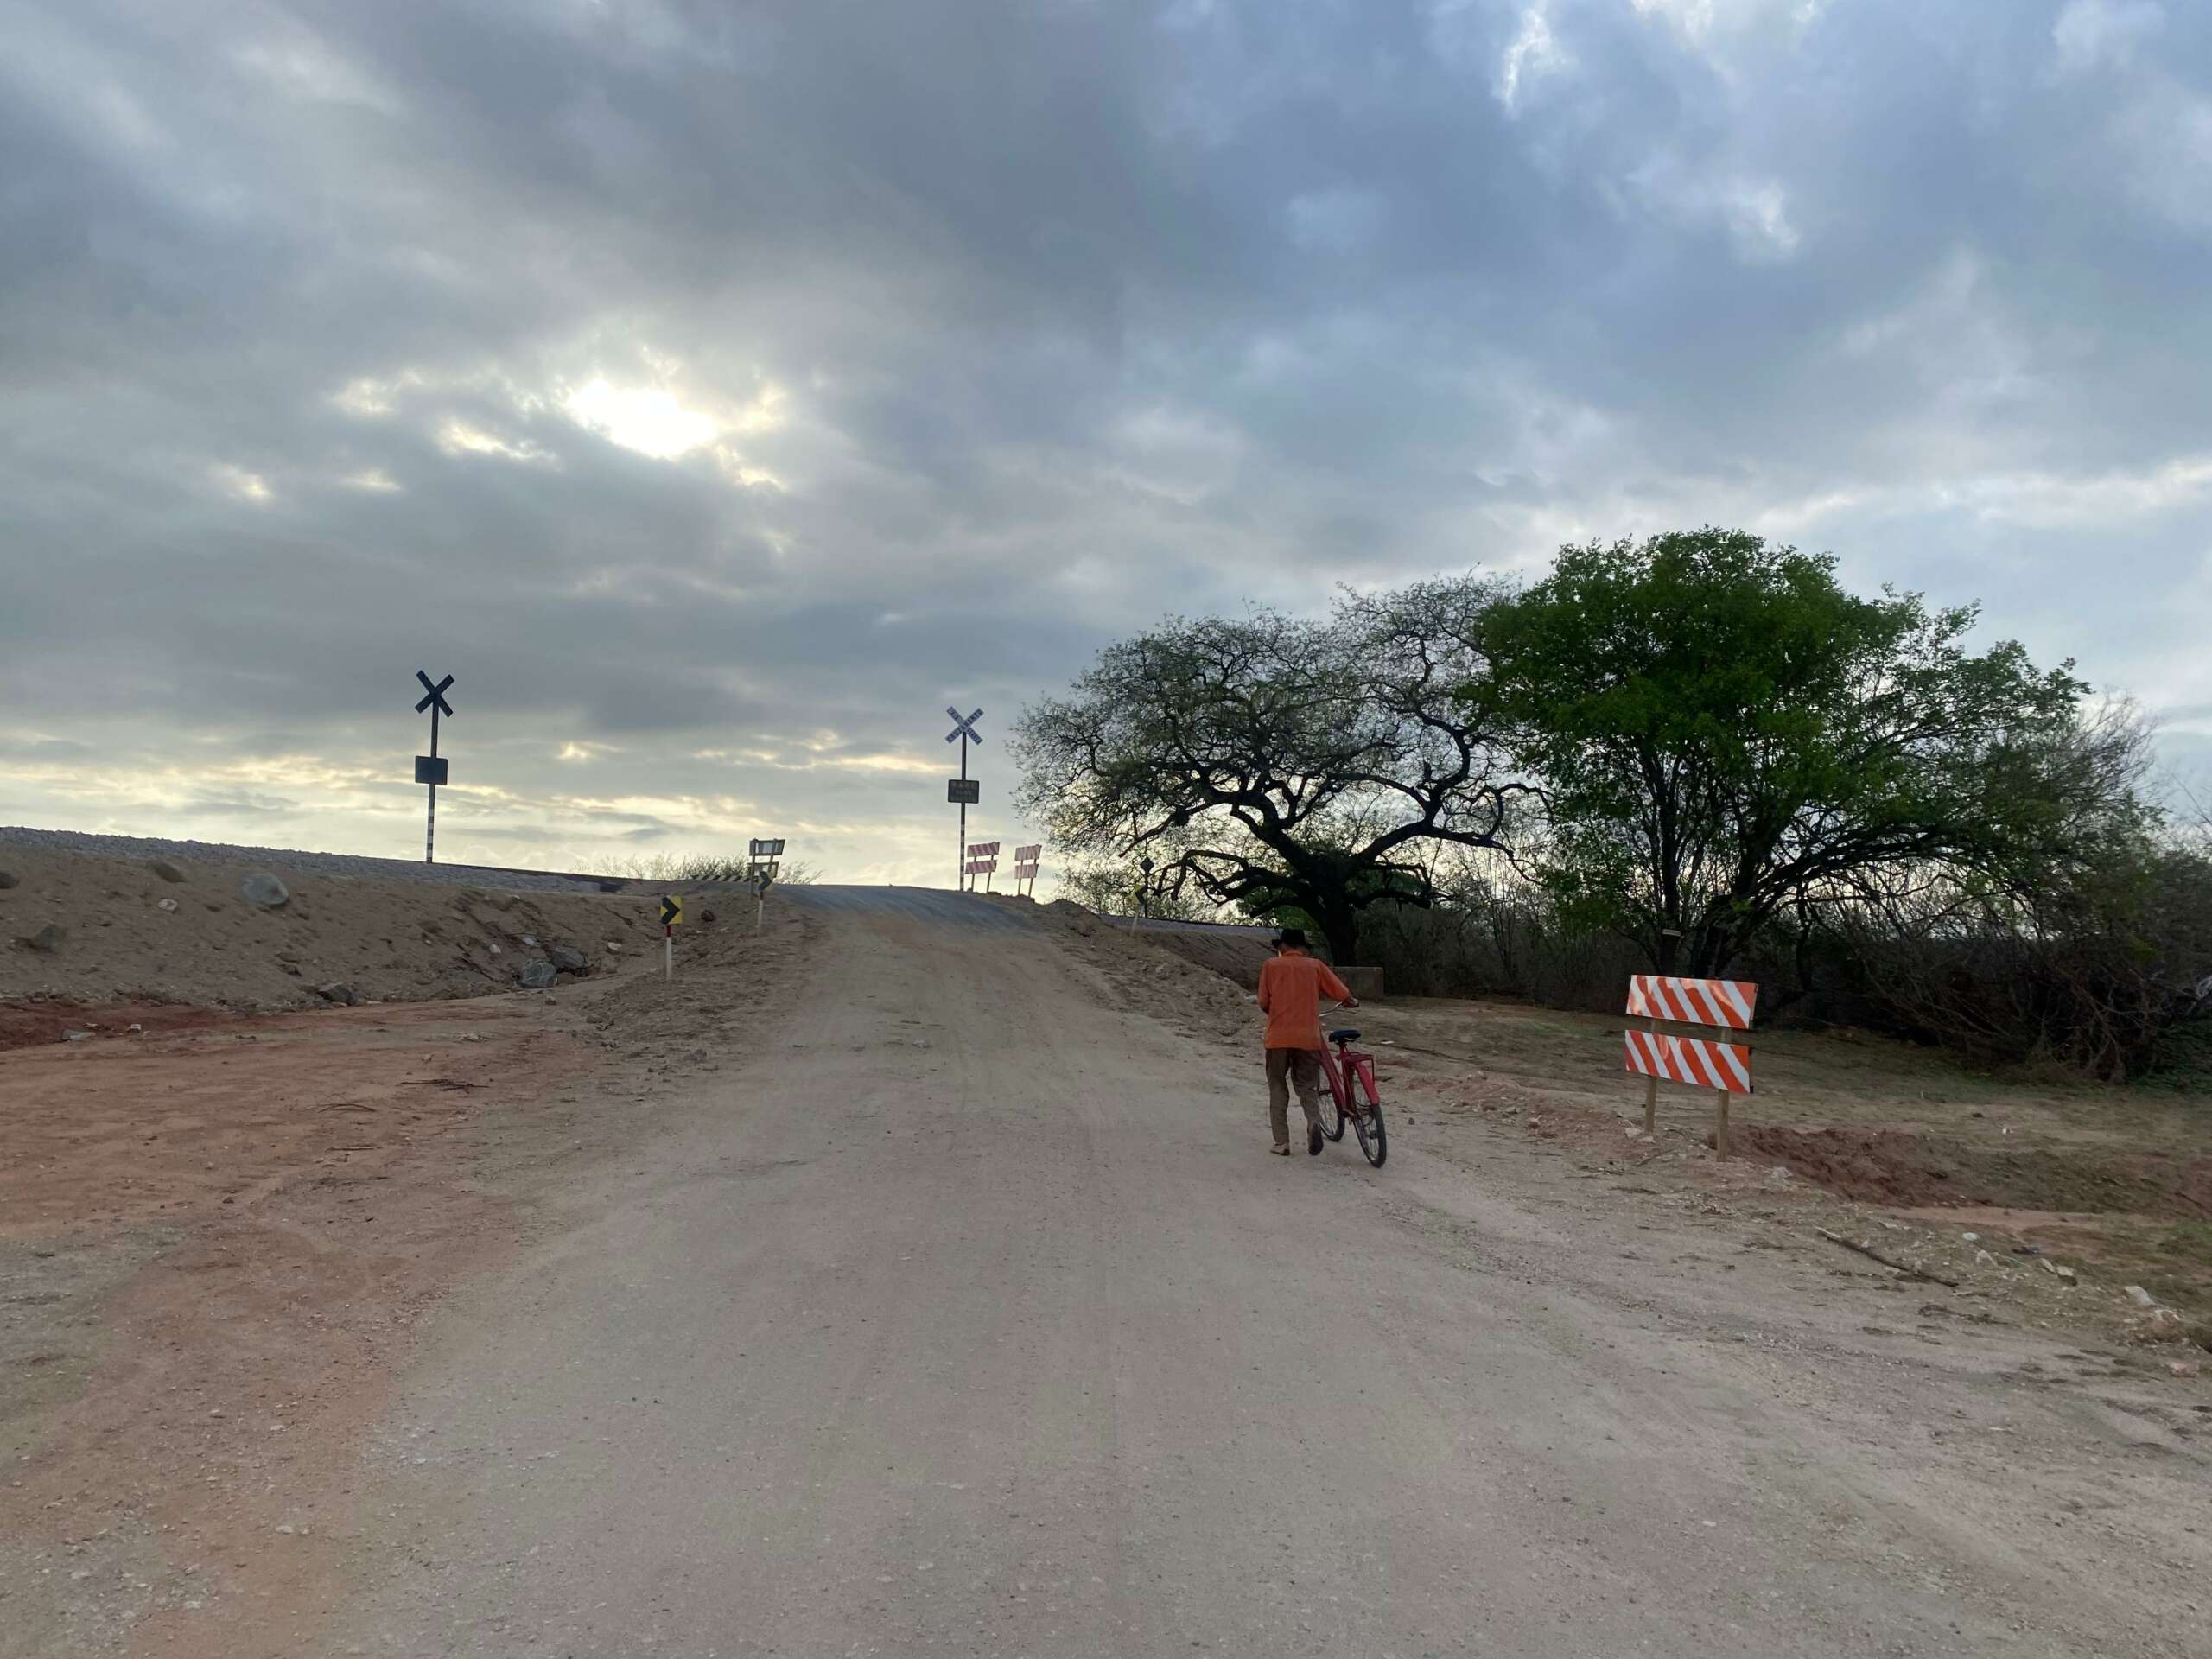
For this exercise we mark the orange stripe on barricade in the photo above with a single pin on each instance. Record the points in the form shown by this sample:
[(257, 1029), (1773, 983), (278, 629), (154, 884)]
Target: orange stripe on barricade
[(1693, 1060), (1728, 1003)]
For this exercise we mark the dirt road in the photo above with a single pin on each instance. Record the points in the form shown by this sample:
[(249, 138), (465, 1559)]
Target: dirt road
[(972, 1316), (948, 1303)]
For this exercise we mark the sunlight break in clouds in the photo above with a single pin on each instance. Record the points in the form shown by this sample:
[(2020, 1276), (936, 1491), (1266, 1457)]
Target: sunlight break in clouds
[(647, 419)]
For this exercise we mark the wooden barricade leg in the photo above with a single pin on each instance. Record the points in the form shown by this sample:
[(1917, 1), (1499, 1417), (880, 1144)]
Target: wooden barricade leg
[(1651, 1094), (1720, 1129)]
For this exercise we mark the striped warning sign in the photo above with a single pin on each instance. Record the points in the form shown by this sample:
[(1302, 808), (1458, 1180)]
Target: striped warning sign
[(1703, 1064), (1727, 1002)]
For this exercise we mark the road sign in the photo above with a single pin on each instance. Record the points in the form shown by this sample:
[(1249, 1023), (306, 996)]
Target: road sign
[(1723, 1067), (430, 768), (960, 790), (671, 910), (983, 849), (767, 850)]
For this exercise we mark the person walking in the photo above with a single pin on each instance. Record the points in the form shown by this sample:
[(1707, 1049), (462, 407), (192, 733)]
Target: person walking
[(1292, 986)]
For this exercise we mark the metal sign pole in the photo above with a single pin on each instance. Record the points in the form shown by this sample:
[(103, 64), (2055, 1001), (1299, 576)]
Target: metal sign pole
[(430, 834), (963, 727), (429, 769)]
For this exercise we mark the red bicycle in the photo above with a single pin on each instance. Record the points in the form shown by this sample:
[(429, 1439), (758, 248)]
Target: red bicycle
[(1350, 1072)]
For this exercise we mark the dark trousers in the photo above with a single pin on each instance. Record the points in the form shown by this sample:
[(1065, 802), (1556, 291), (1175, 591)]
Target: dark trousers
[(1289, 1068)]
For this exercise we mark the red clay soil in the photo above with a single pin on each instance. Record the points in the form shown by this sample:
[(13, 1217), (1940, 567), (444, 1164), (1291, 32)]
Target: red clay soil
[(215, 1242), (1899, 1167), (29, 1025)]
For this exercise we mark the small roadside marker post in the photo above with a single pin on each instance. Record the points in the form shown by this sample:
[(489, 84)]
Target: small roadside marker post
[(961, 789), (429, 769), (764, 855), (672, 912)]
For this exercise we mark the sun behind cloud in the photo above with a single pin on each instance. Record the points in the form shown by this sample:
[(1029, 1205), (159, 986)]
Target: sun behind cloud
[(648, 419)]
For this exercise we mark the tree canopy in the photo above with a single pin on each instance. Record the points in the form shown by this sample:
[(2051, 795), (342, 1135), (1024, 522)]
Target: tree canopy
[(1722, 732), (1278, 764)]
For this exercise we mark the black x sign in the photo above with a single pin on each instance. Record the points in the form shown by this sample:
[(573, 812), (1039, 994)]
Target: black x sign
[(437, 694)]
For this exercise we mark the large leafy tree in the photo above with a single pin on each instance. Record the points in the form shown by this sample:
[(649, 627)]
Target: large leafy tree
[(1725, 733), (1280, 764)]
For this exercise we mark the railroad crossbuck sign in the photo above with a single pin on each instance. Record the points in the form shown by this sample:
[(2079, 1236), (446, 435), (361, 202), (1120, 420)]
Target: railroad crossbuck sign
[(961, 790), (1701, 1062), (431, 769)]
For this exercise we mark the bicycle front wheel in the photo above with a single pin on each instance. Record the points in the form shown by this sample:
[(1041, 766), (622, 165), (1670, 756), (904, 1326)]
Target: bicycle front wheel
[(1374, 1139)]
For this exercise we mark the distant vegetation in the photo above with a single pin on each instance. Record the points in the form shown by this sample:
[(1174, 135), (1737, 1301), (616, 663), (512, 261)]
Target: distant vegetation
[(1699, 753), (704, 866)]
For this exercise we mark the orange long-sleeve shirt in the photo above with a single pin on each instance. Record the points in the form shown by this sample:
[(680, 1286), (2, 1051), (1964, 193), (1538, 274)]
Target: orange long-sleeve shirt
[(1291, 989)]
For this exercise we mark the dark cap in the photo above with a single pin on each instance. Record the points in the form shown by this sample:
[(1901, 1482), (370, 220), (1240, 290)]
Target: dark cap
[(1293, 937)]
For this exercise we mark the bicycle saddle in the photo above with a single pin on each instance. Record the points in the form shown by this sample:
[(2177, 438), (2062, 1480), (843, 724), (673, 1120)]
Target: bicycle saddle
[(1344, 1036)]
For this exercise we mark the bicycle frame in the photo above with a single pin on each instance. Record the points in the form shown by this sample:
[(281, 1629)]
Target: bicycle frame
[(1358, 1059)]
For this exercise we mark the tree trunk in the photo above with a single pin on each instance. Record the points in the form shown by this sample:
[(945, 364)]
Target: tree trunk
[(1339, 926)]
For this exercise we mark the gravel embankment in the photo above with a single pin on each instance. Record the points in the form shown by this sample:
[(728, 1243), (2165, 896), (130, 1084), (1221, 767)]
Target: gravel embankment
[(277, 858)]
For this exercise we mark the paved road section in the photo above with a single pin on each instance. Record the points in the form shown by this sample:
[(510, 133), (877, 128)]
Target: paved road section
[(939, 906), (967, 1315), (279, 858)]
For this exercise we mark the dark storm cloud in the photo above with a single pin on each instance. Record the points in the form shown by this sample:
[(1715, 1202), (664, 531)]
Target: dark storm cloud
[(748, 381)]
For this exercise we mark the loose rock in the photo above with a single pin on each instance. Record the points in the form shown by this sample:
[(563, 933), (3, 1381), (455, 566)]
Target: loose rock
[(45, 941), (8, 878), (166, 870), (539, 975), (337, 990), (166, 904), (2139, 1296), (265, 891), (569, 959)]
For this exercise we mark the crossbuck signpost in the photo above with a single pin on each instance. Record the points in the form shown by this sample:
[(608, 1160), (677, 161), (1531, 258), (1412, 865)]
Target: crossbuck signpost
[(960, 789), (429, 769)]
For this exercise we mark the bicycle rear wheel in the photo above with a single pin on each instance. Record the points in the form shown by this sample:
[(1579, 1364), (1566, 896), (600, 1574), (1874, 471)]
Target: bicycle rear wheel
[(1367, 1124)]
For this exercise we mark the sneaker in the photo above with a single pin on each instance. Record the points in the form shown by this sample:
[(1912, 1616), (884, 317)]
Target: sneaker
[(1279, 1152), (1314, 1139)]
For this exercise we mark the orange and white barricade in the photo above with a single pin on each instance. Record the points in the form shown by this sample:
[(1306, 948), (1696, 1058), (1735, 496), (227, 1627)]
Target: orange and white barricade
[(1699, 1062), (1024, 866), (984, 861)]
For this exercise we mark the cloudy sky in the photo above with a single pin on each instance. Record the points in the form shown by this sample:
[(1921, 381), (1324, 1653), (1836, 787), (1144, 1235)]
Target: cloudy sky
[(718, 390)]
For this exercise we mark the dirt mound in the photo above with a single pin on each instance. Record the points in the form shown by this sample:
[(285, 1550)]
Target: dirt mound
[(1899, 1167), (1160, 983), (1236, 953), (80, 935)]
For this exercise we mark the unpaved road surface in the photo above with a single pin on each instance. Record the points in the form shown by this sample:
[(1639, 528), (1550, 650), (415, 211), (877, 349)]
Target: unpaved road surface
[(946, 1302)]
